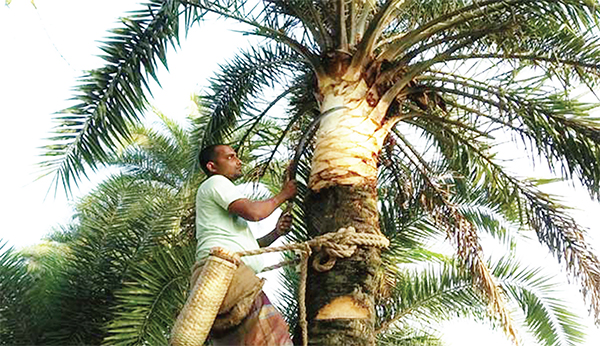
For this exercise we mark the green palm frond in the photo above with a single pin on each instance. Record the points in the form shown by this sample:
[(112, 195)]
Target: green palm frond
[(62, 234), (112, 97), (408, 336), (14, 309), (118, 226), (574, 55), (287, 299), (159, 156), (149, 301), (140, 217), (549, 123), (310, 14), (538, 296), (444, 292), (239, 82), (422, 23), (46, 264), (407, 226), (125, 210), (431, 294), (29, 282), (198, 124), (520, 201), (302, 99)]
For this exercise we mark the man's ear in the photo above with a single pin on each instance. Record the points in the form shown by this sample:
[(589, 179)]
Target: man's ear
[(211, 167)]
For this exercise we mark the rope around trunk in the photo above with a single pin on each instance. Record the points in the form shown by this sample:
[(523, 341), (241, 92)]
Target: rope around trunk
[(330, 246)]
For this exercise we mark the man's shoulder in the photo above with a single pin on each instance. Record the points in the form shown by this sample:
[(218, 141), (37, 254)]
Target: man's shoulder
[(215, 184), (216, 181), (217, 189)]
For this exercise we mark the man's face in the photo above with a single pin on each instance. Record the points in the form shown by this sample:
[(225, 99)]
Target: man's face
[(226, 163)]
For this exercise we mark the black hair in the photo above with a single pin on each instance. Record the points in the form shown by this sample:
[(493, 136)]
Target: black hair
[(206, 155)]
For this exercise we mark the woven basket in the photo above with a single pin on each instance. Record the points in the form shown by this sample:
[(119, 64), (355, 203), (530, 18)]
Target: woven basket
[(198, 314)]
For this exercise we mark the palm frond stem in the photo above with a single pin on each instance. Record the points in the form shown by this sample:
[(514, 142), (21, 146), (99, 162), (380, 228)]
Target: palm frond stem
[(593, 67), (311, 58), (343, 35), (257, 119), (380, 110), (365, 47)]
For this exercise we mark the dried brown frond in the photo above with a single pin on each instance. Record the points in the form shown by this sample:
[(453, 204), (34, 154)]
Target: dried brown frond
[(581, 262), (464, 237)]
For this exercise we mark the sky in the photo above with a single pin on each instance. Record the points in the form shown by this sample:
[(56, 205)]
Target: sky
[(46, 48)]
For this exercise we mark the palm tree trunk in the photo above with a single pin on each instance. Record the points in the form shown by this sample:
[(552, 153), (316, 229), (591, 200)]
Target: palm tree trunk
[(343, 193), (340, 303)]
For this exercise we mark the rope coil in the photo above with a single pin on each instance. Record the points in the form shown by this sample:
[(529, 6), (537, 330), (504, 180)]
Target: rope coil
[(340, 244), (334, 245)]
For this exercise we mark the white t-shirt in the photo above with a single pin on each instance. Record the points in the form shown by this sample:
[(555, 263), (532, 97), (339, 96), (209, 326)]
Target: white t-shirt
[(215, 226)]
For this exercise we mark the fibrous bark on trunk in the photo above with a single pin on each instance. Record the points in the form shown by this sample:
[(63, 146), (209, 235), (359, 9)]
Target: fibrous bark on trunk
[(340, 304)]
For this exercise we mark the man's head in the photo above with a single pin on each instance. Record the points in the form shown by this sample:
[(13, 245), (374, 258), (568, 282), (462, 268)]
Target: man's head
[(220, 159)]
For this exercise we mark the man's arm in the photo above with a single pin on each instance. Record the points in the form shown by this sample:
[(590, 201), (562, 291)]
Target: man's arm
[(258, 210)]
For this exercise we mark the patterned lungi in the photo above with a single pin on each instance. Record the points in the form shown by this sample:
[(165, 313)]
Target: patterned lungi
[(264, 326)]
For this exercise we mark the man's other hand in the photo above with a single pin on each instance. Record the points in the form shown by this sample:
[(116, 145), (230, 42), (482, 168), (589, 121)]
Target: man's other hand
[(283, 224)]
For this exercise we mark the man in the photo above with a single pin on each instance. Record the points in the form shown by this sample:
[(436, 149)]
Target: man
[(222, 213)]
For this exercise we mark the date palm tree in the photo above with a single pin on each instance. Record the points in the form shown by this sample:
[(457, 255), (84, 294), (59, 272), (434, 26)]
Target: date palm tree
[(64, 290), (370, 86), (129, 252), (29, 306), (154, 289)]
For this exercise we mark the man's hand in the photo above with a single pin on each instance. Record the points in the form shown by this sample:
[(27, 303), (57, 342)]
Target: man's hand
[(283, 224), (289, 190), (283, 227)]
